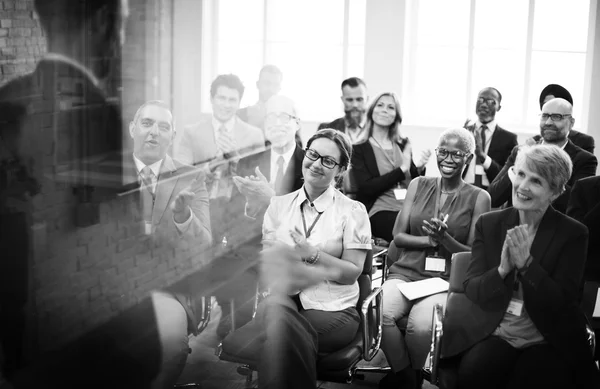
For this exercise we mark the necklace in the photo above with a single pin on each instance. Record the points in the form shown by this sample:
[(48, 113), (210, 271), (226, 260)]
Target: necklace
[(446, 192)]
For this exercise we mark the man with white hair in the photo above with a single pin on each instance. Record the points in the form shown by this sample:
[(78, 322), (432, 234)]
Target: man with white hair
[(556, 120)]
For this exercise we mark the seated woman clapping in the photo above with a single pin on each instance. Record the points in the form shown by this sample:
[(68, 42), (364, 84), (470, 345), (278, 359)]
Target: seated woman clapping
[(428, 240), (316, 240), (525, 274)]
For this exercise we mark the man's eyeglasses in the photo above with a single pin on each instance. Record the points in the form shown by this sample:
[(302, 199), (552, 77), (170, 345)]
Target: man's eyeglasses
[(556, 117), (490, 102), (328, 162), (282, 117), (457, 156)]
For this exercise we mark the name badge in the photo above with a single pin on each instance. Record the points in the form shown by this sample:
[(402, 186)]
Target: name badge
[(515, 307), (400, 194), (148, 228), (435, 264)]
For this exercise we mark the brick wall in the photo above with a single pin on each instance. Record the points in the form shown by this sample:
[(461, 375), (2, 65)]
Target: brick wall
[(21, 40), (81, 277)]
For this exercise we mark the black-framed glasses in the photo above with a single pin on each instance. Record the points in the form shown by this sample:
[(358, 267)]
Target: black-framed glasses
[(328, 162), (491, 102), (457, 156), (282, 117), (556, 117)]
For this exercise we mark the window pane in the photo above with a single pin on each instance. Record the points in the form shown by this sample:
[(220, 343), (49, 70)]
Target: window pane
[(305, 21), (550, 68), (312, 84), (357, 21), (506, 75), (439, 93), (561, 25), (443, 22), (356, 61), (491, 20), (244, 60), (237, 16)]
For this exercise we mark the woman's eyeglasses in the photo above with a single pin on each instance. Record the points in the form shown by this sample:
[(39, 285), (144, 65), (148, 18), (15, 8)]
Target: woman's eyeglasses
[(457, 156), (328, 162)]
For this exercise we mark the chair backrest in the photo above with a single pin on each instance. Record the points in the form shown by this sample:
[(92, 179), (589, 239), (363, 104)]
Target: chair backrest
[(458, 272)]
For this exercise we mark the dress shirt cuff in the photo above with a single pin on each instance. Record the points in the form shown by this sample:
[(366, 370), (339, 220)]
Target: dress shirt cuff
[(487, 163), (182, 227)]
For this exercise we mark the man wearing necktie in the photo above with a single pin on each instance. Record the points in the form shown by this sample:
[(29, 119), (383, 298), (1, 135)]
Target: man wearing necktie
[(275, 171), (493, 144)]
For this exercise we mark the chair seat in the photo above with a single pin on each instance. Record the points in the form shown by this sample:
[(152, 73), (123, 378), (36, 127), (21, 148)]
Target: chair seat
[(341, 359)]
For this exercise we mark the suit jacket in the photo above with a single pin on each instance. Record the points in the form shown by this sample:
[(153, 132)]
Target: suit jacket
[(174, 177), (550, 285), (580, 139), (584, 165), (338, 124), (198, 144), (501, 145), (367, 180), (584, 206)]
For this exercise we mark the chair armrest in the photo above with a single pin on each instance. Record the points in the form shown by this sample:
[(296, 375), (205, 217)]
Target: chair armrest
[(205, 314), (591, 337), (371, 344), (384, 269), (437, 331)]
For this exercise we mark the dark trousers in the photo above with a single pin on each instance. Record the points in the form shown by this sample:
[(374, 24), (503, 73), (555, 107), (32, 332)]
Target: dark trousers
[(287, 338), (382, 224), (493, 363)]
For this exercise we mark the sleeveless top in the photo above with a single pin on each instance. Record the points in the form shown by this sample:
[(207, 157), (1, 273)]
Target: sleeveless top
[(460, 206)]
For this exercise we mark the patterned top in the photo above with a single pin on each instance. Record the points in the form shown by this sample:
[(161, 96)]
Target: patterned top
[(460, 206), (343, 225)]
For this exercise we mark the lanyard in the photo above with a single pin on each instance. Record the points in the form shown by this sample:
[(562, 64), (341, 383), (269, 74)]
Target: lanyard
[(307, 232)]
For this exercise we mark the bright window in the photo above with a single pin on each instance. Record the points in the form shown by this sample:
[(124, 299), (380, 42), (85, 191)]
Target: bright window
[(315, 43), (455, 48)]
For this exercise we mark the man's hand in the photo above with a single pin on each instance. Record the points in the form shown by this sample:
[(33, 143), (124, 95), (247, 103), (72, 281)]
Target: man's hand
[(181, 206), (479, 149), (254, 188)]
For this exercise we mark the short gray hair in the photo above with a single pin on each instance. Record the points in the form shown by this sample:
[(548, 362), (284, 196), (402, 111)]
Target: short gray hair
[(464, 136), (158, 103), (551, 162)]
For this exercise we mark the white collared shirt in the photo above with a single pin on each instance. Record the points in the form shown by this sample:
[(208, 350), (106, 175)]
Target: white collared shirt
[(228, 125), (343, 225), (76, 64), (562, 147), (155, 167), (474, 168), (287, 156)]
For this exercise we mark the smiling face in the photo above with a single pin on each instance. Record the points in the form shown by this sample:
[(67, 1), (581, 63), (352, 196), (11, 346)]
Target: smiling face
[(225, 103), (152, 134), (451, 166), (384, 112), (556, 131), (530, 191), (281, 123), (315, 174), (488, 103)]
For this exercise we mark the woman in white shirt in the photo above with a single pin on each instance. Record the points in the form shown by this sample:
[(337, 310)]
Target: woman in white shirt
[(321, 239)]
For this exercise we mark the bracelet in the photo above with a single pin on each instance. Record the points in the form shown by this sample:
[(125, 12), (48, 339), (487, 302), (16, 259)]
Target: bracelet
[(313, 258)]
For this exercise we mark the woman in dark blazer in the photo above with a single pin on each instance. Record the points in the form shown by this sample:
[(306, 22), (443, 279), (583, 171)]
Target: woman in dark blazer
[(524, 275), (382, 165)]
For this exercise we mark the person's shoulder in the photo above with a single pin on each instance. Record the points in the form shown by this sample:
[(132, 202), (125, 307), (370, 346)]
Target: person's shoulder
[(570, 226), (505, 132), (348, 203), (335, 124), (588, 182), (493, 218)]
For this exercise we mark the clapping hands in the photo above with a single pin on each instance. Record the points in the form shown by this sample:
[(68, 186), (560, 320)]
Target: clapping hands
[(436, 229), (254, 187)]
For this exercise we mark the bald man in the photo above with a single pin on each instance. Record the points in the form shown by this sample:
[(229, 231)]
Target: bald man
[(556, 120)]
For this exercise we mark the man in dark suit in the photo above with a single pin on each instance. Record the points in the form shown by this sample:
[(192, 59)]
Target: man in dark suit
[(493, 144), (354, 97), (584, 206), (555, 123), (275, 171), (52, 122), (580, 139)]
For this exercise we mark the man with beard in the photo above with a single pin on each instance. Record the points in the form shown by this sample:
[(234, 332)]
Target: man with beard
[(556, 121), (275, 171), (354, 97), (493, 144)]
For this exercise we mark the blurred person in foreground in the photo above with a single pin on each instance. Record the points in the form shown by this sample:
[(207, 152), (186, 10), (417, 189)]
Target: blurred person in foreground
[(525, 275)]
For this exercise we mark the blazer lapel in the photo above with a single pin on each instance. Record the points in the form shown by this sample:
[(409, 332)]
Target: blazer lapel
[(164, 189), (544, 235), (370, 161)]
